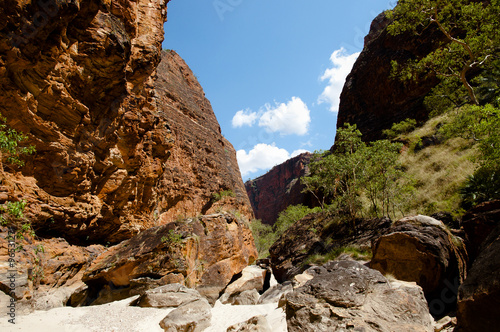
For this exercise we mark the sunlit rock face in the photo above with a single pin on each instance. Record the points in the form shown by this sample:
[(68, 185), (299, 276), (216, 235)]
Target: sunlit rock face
[(123, 142)]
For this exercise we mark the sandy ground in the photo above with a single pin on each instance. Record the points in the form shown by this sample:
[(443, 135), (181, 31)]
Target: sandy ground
[(119, 316)]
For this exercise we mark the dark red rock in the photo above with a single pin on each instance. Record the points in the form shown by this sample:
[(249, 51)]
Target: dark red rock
[(274, 191), (371, 98)]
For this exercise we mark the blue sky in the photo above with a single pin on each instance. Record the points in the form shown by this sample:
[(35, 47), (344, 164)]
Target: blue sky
[(272, 70)]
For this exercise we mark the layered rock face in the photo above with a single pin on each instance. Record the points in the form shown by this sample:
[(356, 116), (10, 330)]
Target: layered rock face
[(274, 191), (202, 162), (76, 77), (204, 252), (119, 149), (125, 139), (371, 98)]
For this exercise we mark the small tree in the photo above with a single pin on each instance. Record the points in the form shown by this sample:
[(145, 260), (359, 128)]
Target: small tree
[(470, 37), (337, 175), (356, 168)]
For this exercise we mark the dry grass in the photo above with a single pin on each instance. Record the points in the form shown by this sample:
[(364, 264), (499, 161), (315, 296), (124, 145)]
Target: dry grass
[(439, 170)]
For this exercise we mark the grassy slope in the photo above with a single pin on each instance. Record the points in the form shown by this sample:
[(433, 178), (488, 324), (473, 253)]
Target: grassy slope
[(439, 170)]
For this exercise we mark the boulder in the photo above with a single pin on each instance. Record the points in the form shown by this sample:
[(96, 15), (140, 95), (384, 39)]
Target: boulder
[(479, 295), (193, 317), (320, 233), (252, 278), (248, 297), (273, 294), (254, 324), (168, 296), (420, 249), (346, 295), (203, 253)]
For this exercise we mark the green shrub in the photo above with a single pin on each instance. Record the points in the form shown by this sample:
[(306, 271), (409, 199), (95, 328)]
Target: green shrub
[(482, 186), (264, 237), (354, 252), (356, 168), (403, 127), (219, 196), (291, 215), (10, 145)]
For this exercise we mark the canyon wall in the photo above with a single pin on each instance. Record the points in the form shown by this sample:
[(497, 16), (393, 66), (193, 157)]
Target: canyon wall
[(372, 98), (125, 141), (121, 144), (274, 191)]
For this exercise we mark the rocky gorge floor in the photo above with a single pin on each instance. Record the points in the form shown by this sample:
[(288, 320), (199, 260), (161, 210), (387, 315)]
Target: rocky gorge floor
[(338, 296), (119, 316)]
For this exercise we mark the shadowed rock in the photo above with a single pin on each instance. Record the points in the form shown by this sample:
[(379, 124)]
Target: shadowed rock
[(346, 295), (479, 295), (420, 249)]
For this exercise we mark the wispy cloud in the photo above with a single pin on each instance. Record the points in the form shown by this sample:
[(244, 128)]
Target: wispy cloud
[(342, 65)]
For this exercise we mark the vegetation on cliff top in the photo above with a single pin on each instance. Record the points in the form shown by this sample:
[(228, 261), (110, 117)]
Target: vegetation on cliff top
[(470, 38)]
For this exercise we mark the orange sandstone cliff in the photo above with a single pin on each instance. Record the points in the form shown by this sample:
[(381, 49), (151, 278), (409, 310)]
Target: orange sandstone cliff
[(125, 138)]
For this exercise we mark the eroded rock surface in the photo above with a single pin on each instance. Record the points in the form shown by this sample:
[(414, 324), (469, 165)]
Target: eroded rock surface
[(203, 253), (346, 295), (123, 141), (125, 138), (47, 272)]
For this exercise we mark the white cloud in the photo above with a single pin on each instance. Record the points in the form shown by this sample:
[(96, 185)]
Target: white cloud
[(290, 118), (244, 118), (342, 65), (263, 157)]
